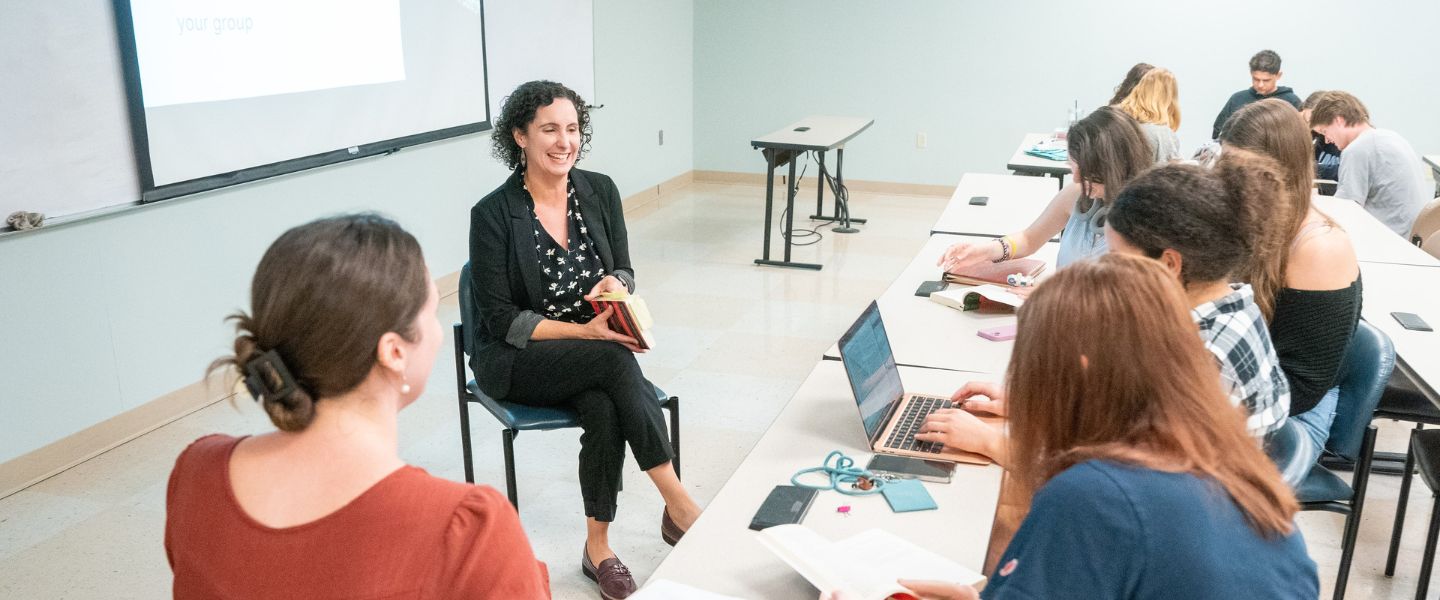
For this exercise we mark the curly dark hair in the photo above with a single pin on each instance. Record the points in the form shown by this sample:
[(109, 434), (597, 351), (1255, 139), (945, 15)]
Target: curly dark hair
[(1216, 219), (519, 111)]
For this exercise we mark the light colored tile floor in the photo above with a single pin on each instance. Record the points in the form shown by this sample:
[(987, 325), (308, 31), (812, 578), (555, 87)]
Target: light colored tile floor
[(735, 340)]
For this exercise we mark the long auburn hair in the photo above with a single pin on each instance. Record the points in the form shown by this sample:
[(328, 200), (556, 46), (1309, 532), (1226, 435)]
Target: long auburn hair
[(1132, 77), (1107, 366), (1155, 99), (1109, 149), (1273, 128)]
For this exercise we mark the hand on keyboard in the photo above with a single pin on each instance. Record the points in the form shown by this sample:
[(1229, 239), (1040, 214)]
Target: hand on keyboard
[(982, 397), (959, 430)]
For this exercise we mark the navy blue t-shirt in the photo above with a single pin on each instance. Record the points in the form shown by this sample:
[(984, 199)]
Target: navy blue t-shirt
[(1102, 529)]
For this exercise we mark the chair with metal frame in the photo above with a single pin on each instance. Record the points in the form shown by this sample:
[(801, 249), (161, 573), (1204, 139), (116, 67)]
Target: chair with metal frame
[(1426, 224), (1431, 245), (515, 418), (1424, 452), (1367, 368), (1403, 401)]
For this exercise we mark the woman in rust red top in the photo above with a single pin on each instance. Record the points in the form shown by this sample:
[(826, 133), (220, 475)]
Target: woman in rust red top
[(342, 336)]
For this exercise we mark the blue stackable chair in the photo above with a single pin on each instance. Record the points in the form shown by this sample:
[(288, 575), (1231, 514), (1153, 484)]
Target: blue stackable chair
[(515, 418), (1367, 368)]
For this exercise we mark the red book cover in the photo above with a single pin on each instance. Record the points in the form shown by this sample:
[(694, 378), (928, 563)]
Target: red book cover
[(995, 272), (622, 320)]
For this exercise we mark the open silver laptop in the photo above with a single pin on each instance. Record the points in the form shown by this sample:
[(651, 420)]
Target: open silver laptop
[(890, 416)]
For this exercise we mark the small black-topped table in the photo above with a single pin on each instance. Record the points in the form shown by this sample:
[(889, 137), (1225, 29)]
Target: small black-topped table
[(818, 134)]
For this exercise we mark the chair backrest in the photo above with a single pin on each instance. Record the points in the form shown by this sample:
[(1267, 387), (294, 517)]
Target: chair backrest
[(1431, 245), (1427, 223), (1367, 367), (468, 316)]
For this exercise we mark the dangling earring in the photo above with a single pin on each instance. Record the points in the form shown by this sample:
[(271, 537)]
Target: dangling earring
[(404, 387)]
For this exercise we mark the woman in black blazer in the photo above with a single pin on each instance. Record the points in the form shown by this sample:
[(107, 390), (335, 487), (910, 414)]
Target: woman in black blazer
[(541, 246)]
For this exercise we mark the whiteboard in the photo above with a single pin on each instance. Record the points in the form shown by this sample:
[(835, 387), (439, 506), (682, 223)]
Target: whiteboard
[(527, 40), (65, 131), (65, 146)]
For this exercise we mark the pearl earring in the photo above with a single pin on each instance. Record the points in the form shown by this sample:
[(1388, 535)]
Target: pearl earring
[(404, 387)]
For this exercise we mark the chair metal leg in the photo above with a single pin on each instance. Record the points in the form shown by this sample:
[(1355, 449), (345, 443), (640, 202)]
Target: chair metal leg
[(1429, 558), (509, 437), (1357, 507), (1400, 509), (675, 432), (465, 441), (458, 331)]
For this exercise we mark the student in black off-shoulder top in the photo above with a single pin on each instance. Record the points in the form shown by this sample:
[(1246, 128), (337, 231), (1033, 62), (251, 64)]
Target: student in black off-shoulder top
[(1312, 331), (1306, 269)]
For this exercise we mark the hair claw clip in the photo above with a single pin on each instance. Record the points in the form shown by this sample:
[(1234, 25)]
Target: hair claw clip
[(266, 376)]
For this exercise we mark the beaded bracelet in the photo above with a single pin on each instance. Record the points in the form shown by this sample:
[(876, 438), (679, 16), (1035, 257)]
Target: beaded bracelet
[(1005, 245)]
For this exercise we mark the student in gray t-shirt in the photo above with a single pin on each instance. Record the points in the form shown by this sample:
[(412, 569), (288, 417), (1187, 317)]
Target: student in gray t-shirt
[(1378, 168)]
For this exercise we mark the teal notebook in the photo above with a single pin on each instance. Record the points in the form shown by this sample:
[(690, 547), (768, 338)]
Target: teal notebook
[(905, 495)]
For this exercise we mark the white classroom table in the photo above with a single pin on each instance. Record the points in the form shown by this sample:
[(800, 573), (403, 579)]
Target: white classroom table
[(1407, 288), (1014, 203), (926, 334), (1024, 164), (721, 554), (1373, 241)]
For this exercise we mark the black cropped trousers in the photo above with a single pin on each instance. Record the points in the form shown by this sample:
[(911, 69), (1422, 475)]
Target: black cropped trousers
[(602, 382)]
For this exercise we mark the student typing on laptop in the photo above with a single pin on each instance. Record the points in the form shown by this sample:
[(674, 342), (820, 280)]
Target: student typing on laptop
[(1146, 482), (890, 416)]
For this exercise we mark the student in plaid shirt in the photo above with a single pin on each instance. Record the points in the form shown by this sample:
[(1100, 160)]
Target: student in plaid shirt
[(1200, 225)]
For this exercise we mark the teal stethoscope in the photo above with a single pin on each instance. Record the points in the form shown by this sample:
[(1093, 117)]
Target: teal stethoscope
[(844, 476)]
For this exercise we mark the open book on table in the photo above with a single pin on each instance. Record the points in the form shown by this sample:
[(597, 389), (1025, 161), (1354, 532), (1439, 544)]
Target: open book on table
[(984, 298), (866, 565), (631, 316)]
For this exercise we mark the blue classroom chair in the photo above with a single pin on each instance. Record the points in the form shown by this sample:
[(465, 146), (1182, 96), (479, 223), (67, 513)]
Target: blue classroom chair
[(515, 418), (1367, 367)]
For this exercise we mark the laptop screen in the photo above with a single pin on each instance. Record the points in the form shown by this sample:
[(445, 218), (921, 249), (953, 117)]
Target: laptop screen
[(870, 365)]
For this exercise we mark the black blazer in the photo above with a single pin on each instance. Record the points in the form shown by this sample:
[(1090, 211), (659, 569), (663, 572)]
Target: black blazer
[(504, 297)]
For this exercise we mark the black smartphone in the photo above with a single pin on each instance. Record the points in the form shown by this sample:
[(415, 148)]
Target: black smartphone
[(912, 468), (786, 504), (930, 287), (802, 129), (979, 200), (1411, 321)]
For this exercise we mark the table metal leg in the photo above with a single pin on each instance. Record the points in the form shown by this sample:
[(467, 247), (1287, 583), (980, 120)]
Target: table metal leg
[(789, 221), (820, 187), (769, 199), (790, 189), (842, 211), (819, 200)]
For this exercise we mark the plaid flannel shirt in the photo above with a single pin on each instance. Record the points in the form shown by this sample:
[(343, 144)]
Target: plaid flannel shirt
[(1235, 332)]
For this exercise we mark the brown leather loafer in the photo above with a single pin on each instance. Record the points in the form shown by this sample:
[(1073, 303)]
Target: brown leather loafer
[(669, 531), (612, 575)]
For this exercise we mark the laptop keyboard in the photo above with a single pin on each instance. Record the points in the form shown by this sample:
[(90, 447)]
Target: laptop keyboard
[(902, 437)]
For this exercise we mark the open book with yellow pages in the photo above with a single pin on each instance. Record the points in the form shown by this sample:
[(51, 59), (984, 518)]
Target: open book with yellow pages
[(631, 316), (865, 565)]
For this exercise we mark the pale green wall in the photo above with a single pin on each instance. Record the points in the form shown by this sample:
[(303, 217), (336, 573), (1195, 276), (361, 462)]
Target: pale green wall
[(99, 317), (975, 76)]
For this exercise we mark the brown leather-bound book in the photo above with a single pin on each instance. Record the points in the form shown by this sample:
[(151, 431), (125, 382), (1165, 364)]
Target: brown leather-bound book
[(995, 273), (631, 316)]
